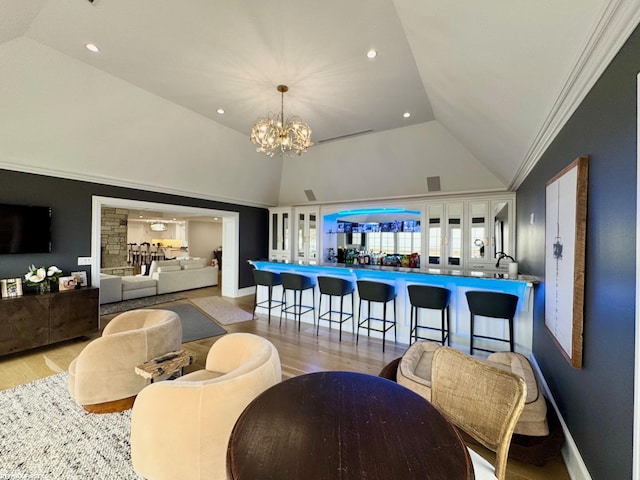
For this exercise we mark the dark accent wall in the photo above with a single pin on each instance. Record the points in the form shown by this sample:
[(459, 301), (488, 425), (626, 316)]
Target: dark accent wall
[(597, 401), (71, 203)]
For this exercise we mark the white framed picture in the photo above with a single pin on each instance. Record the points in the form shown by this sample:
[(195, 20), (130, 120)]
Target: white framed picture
[(67, 283), (81, 278)]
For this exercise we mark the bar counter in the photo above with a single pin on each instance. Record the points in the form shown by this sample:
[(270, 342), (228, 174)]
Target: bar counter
[(457, 281)]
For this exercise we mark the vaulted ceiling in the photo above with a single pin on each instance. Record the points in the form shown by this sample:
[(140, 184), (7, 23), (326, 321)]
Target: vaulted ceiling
[(487, 84)]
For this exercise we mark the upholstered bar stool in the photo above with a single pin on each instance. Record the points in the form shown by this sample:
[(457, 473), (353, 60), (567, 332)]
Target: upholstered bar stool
[(492, 305), (432, 298), (335, 287), (264, 278), (297, 284), (377, 292)]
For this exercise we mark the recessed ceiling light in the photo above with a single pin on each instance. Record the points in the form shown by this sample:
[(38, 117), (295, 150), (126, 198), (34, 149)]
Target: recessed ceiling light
[(220, 111), (406, 114), (372, 53), (92, 47)]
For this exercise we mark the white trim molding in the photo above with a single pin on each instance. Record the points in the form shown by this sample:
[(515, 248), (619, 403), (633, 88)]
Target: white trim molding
[(230, 224), (570, 453), (618, 20), (114, 182)]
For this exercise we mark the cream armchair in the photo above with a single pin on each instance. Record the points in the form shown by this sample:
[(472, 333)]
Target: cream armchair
[(181, 428), (102, 378)]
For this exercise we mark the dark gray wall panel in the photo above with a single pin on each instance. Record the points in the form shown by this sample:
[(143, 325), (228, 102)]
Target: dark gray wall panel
[(71, 202), (597, 401)]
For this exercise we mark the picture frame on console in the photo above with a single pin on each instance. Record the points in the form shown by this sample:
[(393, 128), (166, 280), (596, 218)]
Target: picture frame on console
[(81, 278), (67, 283), (11, 287)]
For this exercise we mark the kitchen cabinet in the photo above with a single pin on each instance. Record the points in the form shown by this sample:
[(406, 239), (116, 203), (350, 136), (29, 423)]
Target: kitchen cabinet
[(306, 234), (468, 233), (280, 234)]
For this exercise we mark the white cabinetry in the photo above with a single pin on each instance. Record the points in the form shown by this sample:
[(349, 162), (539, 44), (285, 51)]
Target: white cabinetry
[(468, 233), (306, 234), (491, 231), (443, 234), (280, 234)]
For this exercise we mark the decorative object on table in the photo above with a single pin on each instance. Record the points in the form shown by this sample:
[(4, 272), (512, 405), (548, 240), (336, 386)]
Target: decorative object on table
[(67, 283), (11, 287), (170, 364), (566, 226), (42, 278), (272, 134), (81, 278)]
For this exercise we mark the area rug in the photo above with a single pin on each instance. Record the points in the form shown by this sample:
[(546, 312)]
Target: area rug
[(223, 311), (195, 325), (45, 435), (135, 303)]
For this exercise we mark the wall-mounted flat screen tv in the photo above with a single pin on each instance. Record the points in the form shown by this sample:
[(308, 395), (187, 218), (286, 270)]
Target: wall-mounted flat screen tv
[(25, 229)]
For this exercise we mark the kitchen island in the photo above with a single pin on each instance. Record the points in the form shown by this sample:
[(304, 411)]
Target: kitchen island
[(457, 281)]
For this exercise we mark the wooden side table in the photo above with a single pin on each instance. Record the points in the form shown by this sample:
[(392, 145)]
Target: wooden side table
[(166, 364), (346, 426)]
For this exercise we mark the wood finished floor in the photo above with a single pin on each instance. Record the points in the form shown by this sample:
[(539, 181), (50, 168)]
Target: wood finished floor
[(300, 352)]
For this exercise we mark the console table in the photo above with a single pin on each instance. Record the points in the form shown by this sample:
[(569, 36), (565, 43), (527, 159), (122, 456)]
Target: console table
[(34, 320)]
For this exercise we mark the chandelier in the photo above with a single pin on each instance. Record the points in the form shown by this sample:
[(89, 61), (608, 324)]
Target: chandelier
[(158, 227), (272, 134)]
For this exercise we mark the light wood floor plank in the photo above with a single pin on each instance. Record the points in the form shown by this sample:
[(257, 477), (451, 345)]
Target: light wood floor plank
[(300, 352)]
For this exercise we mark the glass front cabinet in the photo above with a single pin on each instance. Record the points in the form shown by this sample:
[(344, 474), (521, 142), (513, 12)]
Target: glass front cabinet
[(280, 233), (452, 233), (306, 234), (468, 233), (443, 234)]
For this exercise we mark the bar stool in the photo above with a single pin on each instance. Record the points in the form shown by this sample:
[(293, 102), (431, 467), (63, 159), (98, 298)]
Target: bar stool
[(432, 298), (377, 292), (264, 278), (493, 305), (298, 284), (335, 287)]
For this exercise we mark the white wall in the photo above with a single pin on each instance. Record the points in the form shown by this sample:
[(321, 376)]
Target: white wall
[(204, 238), (71, 120), (393, 163)]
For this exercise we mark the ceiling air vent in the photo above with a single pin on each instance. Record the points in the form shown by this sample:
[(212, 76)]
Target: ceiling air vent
[(433, 184), (310, 196)]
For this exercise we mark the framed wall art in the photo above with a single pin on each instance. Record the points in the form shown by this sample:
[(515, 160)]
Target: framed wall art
[(565, 238)]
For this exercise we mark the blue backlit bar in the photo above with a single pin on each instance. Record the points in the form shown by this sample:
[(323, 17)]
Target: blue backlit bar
[(457, 281)]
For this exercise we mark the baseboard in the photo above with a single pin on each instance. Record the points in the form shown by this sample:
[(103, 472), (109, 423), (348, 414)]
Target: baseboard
[(570, 453), (243, 292)]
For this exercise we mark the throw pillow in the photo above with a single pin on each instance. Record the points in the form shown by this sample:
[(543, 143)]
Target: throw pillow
[(168, 268)]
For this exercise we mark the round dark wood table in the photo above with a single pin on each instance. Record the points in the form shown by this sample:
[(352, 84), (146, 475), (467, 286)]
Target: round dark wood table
[(344, 425)]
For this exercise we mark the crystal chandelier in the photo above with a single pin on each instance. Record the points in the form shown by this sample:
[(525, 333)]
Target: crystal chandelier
[(272, 134)]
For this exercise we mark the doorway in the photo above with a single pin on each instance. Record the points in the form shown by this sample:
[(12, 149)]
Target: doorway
[(230, 235)]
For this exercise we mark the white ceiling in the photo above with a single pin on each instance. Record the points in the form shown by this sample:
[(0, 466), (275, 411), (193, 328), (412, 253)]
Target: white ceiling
[(500, 77)]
